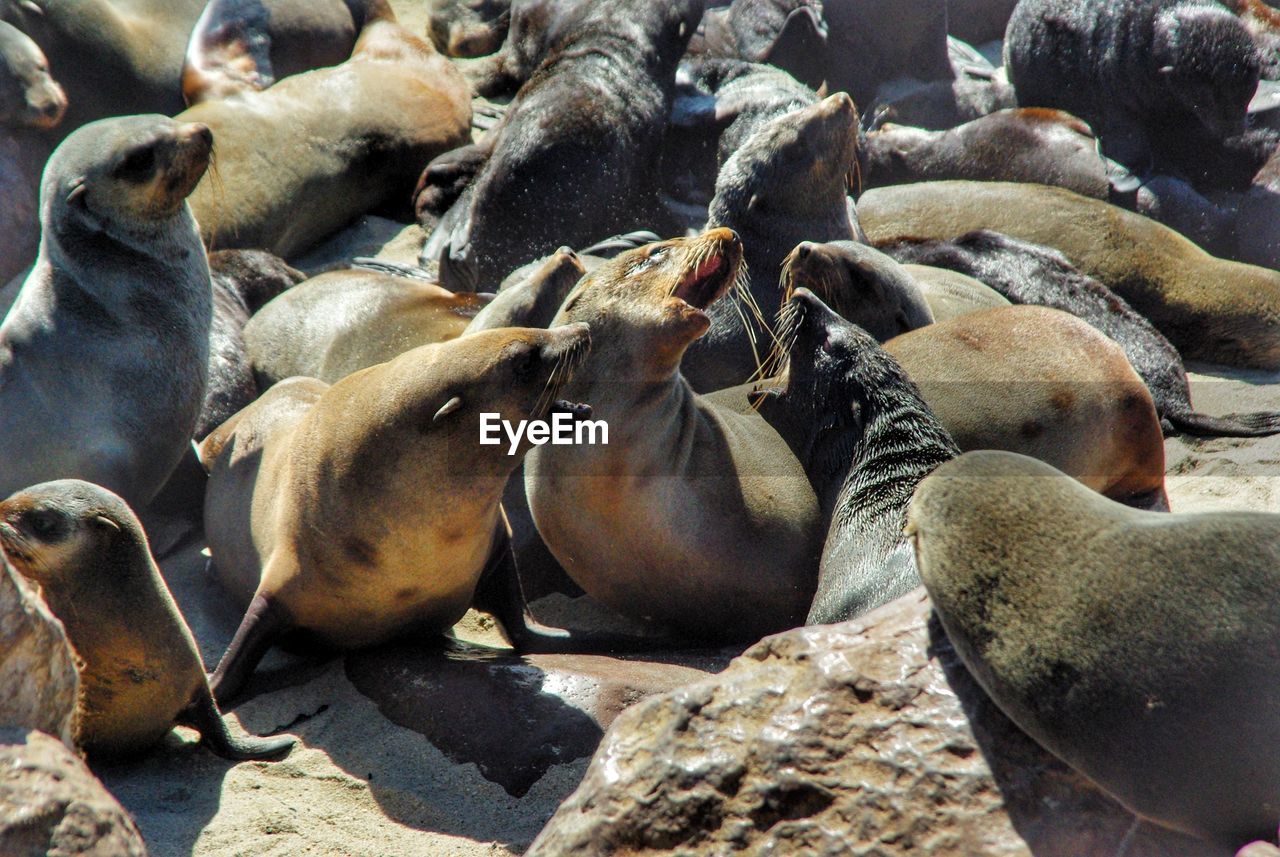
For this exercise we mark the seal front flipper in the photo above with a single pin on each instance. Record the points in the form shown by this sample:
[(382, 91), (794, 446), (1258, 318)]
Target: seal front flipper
[(229, 51), (800, 47), (204, 716), (263, 623)]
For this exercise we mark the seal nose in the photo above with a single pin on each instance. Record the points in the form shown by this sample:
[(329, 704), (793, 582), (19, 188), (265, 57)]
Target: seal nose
[(198, 131), (803, 249)]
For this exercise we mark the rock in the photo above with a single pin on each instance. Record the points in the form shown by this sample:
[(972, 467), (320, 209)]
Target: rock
[(37, 664), (52, 804), (861, 738), (514, 717)]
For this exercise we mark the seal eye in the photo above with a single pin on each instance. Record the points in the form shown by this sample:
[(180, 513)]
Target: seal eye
[(138, 164), (45, 525), (526, 364)]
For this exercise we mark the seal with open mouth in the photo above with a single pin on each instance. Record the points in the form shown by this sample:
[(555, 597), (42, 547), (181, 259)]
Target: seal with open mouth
[(695, 517), (866, 438), (369, 509), (141, 670)]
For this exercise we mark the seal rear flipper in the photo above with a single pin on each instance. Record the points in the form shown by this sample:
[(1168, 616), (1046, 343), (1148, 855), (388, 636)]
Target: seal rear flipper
[(1260, 424), (263, 623), (214, 734), (229, 51), (800, 48)]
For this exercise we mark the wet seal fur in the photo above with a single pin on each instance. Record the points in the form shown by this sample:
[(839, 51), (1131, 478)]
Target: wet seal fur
[(368, 510), (1135, 70), (695, 517), (576, 156), (141, 670), (104, 356), (866, 438), (1138, 648), (342, 321), (860, 284), (1209, 308), (1041, 382), (1030, 274), (788, 183)]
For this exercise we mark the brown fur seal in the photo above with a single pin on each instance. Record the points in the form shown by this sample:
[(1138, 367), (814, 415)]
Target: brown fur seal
[(1022, 145), (1137, 71), (1043, 383), (1210, 309), (873, 42), (339, 322), (576, 156), (292, 169), (31, 103), (866, 438), (368, 510), (104, 357), (1031, 274), (141, 670), (789, 182), (534, 299), (469, 28), (694, 517), (951, 294), (1139, 648), (861, 284)]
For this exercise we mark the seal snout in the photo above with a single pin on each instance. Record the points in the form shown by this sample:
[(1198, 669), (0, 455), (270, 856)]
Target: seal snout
[(710, 269)]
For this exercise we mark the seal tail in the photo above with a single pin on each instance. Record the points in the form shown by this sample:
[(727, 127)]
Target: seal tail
[(1259, 424), (214, 734)]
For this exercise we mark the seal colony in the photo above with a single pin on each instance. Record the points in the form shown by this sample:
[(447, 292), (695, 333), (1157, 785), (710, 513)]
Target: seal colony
[(860, 309)]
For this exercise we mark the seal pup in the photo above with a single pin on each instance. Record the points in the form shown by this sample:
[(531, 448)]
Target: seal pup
[(789, 182), (695, 517), (866, 438), (368, 510), (1041, 382), (861, 284), (1138, 648), (141, 670), (1029, 274), (292, 170), (243, 281), (1136, 70), (31, 104), (104, 357), (341, 321), (576, 156), (1020, 145), (1209, 308)]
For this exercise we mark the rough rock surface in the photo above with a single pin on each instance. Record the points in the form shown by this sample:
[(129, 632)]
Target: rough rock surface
[(865, 738), (52, 804), (37, 664)]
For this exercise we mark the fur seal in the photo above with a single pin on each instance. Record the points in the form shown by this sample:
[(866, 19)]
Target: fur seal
[(532, 300), (789, 182), (789, 35), (861, 284), (141, 670), (951, 294), (243, 281), (1021, 145), (1255, 228), (368, 510), (576, 156), (31, 104), (1139, 648), (292, 170), (1209, 308), (866, 438), (1030, 274), (341, 321), (104, 357), (1038, 381), (695, 517), (873, 42), (1136, 70)]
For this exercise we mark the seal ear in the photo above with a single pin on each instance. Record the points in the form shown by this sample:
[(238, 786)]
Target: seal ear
[(447, 408), (77, 192), (1165, 70), (103, 521)]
